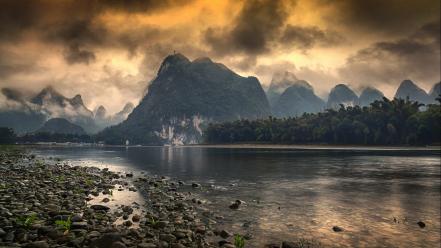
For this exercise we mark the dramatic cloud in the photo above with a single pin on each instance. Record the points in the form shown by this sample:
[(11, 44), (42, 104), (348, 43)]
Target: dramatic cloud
[(76, 55), (416, 57), (392, 16), (109, 50), (258, 23), (305, 38)]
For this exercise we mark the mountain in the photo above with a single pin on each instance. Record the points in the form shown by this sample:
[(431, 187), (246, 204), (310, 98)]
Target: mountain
[(17, 113), (435, 92), (341, 94), (408, 89), (370, 95), (122, 115), (26, 114), (55, 105), (279, 83), (100, 113), (61, 126), (185, 96), (298, 99)]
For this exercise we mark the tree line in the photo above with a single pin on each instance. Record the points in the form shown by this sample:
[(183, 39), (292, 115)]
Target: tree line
[(384, 122)]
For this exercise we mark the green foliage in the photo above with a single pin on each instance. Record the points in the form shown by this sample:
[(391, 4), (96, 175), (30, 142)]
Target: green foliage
[(396, 122), (55, 137), (26, 221), (64, 224), (239, 241)]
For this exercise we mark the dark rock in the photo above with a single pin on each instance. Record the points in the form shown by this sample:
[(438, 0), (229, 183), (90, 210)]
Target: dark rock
[(195, 185), (225, 234), (100, 207), (286, 244), (38, 244), (106, 240), (421, 224), (337, 229)]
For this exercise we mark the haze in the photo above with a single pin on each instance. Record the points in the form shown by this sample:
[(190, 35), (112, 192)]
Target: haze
[(108, 51)]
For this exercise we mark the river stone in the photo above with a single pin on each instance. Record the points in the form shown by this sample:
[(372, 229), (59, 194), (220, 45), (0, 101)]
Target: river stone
[(106, 240), (337, 229), (167, 237), (100, 207), (118, 244), (225, 234), (286, 244), (421, 224), (38, 244), (147, 245)]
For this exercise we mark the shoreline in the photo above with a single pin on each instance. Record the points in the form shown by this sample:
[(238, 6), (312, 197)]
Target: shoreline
[(323, 147), (50, 204)]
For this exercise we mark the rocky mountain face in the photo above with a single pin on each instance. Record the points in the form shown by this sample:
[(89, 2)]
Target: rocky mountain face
[(369, 95), (297, 99), (435, 92), (341, 94), (408, 89), (183, 97), (279, 83), (60, 126)]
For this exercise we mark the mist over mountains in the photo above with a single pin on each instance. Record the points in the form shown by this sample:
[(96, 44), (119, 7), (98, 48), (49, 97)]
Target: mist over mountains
[(29, 113), (183, 98)]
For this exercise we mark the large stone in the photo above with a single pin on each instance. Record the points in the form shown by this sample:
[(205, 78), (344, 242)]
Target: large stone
[(99, 207)]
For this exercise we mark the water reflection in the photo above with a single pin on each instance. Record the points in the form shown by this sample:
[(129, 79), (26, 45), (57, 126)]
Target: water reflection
[(377, 196)]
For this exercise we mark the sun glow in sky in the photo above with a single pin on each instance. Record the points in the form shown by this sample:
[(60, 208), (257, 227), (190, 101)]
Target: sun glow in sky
[(109, 51)]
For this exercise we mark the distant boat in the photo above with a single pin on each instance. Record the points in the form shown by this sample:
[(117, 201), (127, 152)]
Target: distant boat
[(127, 142)]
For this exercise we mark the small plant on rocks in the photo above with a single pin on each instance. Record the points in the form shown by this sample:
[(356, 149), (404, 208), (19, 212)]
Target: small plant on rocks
[(239, 241), (64, 224), (27, 221)]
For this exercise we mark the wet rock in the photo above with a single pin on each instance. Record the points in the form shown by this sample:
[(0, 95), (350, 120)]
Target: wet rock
[(106, 240), (147, 245), (225, 234), (100, 208), (286, 244), (118, 244), (79, 225), (136, 218), (106, 200), (167, 237), (234, 205), (2, 232), (421, 224), (129, 174), (337, 229), (38, 244), (195, 185)]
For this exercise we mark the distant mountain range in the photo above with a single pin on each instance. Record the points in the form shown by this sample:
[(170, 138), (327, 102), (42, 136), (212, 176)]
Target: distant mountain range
[(29, 113), (292, 97), (183, 98)]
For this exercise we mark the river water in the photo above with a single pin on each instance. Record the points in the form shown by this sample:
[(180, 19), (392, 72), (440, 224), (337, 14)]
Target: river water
[(376, 195)]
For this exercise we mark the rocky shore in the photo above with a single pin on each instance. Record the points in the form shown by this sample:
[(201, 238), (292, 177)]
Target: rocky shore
[(48, 204)]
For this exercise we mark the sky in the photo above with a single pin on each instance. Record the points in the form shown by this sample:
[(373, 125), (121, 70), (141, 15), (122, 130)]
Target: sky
[(109, 50)]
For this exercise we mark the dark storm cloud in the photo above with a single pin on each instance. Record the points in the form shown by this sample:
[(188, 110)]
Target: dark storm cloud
[(73, 24), (391, 16), (307, 37), (416, 57), (75, 55), (258, 23)]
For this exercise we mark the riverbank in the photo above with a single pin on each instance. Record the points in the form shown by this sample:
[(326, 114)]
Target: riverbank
[(47, 203)]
